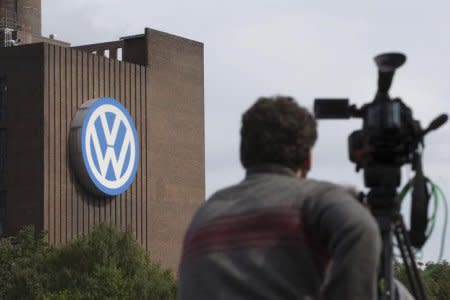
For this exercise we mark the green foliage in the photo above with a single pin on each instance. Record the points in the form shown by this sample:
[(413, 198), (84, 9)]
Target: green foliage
[(435, 278), (21, 265), (107, 264)]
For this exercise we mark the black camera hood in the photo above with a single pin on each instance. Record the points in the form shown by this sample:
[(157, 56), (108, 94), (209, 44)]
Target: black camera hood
[(388, 62)]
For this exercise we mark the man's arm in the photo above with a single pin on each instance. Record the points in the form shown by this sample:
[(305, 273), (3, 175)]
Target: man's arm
[(351, 236)]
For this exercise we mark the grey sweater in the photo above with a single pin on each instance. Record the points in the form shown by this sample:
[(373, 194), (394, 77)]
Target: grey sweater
[(276, 236)]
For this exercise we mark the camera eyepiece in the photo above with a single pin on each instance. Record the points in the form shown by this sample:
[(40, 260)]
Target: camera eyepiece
[(388, 62)]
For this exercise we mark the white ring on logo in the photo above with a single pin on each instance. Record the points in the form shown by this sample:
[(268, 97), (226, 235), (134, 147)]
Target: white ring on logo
[(110, 156)]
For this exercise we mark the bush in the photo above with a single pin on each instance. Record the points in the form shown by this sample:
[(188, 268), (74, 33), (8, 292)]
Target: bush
[(435, 278), (107, 264)]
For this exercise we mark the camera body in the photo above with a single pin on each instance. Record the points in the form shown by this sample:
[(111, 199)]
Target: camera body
[(389, 135)]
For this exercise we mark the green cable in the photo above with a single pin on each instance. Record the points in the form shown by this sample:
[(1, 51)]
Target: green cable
[(403, 192), (432, 219), (435, 208), (438, 194), (444, 231)]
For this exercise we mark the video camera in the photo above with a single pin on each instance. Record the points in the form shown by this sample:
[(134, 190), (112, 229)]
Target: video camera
[(390, 138)]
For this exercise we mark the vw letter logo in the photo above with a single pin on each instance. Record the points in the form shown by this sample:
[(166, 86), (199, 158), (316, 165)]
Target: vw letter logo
[(104, 147)]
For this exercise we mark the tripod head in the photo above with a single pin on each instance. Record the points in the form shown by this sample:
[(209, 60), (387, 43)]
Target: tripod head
[(389, 139)]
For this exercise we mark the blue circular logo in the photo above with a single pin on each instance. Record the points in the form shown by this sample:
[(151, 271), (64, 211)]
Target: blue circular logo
[(109, 146)]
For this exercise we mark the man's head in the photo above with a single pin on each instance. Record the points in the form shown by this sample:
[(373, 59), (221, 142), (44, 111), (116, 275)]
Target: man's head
[(277, 131)]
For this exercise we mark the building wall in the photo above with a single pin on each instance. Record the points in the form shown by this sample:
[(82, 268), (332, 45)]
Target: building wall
[(165, 99), (23, 68), (135, 51), (29, 16), (176, 132), (73, 77), (23, 16), (48, 83)]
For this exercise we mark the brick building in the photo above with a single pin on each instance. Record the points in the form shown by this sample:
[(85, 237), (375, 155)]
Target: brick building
[(44, 84)]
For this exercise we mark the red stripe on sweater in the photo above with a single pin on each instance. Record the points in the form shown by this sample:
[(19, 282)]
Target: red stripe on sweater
[(275, 227)]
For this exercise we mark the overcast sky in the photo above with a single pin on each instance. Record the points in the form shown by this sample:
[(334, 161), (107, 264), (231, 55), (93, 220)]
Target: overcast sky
[(305, 49)]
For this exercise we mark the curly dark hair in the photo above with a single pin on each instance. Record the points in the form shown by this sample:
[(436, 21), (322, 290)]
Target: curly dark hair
[(279, 131)]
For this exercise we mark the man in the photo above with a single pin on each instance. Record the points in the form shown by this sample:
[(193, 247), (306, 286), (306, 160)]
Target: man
[(276, 234)]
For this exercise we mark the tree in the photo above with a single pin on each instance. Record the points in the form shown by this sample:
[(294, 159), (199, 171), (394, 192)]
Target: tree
[(21, 262), (107, 264), (435, 278)]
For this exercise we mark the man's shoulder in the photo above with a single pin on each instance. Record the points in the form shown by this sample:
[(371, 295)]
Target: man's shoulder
[(272, 185), (315, 187), (215, 205), (250, 195), (320, 183)]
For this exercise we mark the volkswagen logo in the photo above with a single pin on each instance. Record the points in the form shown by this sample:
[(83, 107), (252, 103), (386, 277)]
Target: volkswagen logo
[(104, 147)]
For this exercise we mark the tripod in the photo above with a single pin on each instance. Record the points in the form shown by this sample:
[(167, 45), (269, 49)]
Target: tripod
[(384, 207)]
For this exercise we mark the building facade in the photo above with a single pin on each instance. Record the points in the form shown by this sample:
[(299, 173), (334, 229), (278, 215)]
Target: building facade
[(158, 78)]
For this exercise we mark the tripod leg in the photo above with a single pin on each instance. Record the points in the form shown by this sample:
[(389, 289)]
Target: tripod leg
[(386, 268), (408, 259)]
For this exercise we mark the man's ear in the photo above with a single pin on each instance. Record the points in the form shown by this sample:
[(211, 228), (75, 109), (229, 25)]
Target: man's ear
[(308, 161), (302, 172)]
